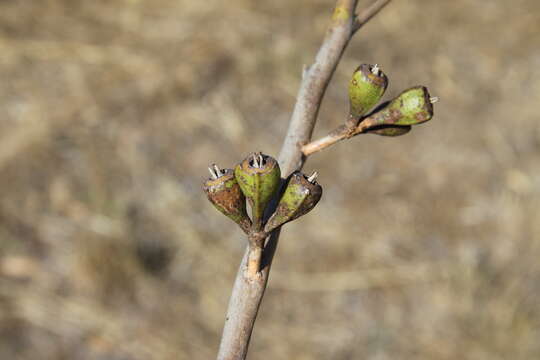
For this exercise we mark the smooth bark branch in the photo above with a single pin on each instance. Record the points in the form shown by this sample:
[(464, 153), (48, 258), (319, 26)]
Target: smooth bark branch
[(368, 13), (248, 291), (314, 82), (244, 304)]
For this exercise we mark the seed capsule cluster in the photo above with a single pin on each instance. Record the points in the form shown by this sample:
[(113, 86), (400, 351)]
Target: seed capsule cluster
[(257, 179), (393, 118)]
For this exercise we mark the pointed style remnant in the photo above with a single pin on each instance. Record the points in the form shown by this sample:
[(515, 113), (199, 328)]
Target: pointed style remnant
[(301, 195), (259, 177), (413, 106), (367, 86), (225, 194)]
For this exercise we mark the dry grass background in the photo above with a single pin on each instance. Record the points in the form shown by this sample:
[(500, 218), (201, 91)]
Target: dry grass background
[(425, 246)]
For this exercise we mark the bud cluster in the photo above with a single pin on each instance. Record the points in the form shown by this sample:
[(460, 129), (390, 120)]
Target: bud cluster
[(257, 179)]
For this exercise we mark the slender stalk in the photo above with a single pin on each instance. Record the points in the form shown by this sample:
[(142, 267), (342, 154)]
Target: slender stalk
[(254, 254), (254, 261), (368, 13), (248, 291), (342, 132)]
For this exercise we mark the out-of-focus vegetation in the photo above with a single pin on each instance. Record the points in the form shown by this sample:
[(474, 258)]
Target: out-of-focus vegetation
[(425, 246)]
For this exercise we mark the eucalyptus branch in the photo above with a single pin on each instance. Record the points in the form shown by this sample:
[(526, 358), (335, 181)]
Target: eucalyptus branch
[(314, 82), (366, 15), (248, 289)]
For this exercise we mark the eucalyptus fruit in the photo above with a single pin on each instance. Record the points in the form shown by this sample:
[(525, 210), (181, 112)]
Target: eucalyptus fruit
[(259, 178), (300, 196), (367, 86), (225, 194), (413, 106)]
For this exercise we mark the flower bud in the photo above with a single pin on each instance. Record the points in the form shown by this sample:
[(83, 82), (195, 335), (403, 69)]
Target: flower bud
[(413, 106), (259, 177), (224, 192), (366, 88), (301, 195)]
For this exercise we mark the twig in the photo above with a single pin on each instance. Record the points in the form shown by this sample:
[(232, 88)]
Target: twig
[(340, 133), (368, 13), (375, 122), (316, 79), (255, 252), (248, 291)]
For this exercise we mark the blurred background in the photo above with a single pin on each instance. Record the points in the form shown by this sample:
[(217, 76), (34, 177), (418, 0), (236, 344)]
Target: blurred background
[(424, 246)]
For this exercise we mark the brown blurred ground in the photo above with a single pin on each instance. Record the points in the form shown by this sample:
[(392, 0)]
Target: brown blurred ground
[(425, 246)]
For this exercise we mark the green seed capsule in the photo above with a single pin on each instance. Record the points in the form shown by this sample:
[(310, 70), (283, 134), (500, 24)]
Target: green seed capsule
[(388, 130), (413, 106), (225, 194), (259, 177), (301, 195), (367, 86)]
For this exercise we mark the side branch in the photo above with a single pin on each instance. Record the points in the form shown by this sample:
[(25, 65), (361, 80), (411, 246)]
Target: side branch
[(368, 13), (393, 118), (340, 133)]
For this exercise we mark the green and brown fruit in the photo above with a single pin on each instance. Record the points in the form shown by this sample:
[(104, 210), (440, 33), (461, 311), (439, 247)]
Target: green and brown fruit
[(413, 106), (300, 196), (259, 177), (225, 194), (366, 88)]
